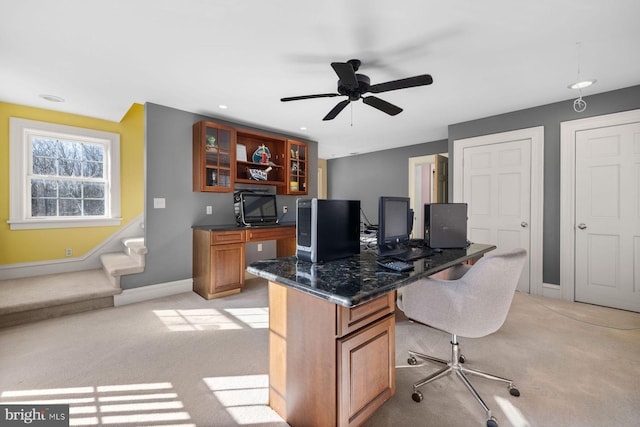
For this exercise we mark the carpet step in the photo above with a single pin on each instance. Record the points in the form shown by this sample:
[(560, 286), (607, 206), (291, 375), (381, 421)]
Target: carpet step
[(118, 264), (130, 261), (42, 297), (52, 311)]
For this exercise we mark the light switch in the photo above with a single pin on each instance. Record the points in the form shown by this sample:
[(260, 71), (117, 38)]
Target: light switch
[(159, 203)]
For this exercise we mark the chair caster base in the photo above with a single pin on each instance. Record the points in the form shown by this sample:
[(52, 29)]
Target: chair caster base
[(513, 391), (417, 396), (491, 422), (412, 361)]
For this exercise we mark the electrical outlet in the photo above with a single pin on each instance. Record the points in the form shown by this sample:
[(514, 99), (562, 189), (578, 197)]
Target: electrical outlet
[(285, 209), (259, 247), (68, 252), (209, 210)]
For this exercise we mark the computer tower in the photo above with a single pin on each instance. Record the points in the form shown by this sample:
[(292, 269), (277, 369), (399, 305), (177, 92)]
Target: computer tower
[(327, 229), (445, 225)]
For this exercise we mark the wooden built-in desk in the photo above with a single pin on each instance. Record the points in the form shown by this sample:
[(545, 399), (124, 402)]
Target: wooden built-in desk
[(332, 333), (219, 254)]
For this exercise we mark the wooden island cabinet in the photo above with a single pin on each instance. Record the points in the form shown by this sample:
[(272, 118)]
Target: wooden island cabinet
[(332, 333), (329, 364)]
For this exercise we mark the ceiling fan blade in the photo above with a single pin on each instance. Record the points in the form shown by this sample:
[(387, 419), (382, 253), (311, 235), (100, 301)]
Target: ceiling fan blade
[(320, 95), (346, 74), (382, 105), (422, 80), (336, 110)]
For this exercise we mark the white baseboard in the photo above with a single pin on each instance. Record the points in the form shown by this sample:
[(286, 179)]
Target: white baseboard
[(145, 293), (551, 291)]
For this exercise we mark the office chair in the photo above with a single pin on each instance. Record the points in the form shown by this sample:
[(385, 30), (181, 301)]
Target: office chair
[(467, 301)]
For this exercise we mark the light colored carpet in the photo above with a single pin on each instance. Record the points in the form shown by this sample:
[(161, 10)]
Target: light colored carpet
[(181, 360)]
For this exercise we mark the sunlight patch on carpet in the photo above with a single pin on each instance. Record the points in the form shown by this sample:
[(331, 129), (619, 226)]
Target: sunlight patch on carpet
[(512, 413), (211, 319), (119, 404), (196, 320), (256, 317), (245, 397)]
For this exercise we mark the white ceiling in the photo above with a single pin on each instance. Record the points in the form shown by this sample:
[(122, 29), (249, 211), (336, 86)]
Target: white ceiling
[(486, 57)]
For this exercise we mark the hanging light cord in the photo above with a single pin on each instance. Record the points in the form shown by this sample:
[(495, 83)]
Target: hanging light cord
[(579, 105)]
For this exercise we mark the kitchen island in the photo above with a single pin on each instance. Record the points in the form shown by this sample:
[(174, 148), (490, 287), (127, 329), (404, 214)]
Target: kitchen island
[(332, 333)]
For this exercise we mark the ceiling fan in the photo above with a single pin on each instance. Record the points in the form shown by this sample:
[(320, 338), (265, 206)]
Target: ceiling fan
[(354, 86)]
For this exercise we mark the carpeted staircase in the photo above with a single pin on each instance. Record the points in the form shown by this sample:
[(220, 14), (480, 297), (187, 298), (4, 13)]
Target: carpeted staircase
[(41, 297)]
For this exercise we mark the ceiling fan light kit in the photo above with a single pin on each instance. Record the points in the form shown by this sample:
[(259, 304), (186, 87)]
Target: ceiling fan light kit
[(354, 85)]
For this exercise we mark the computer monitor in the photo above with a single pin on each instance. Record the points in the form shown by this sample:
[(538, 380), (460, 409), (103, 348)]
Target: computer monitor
[(395, 222), (253, 209)]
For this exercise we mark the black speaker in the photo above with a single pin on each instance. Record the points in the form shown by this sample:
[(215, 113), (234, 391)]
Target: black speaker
[(445, 225)]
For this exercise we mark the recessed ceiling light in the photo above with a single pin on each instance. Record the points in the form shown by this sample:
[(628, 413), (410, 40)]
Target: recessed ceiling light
[(303, 128), (582, 84), (51, 98), (222, 107)]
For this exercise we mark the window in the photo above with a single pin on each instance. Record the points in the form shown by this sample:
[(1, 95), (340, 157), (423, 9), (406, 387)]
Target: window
[(63, 176)]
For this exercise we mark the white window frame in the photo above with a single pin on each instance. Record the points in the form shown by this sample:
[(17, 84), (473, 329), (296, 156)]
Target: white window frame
[(20, 131)]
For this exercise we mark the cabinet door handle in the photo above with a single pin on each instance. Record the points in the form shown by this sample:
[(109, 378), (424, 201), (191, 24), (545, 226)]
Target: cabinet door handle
[(582, 226), (524, 224)]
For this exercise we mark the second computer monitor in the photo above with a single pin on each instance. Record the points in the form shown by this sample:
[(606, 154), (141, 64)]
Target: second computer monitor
[(395, 221)]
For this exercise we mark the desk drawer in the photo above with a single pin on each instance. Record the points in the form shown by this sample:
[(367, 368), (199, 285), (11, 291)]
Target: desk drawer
[(262, 234), (351, 319), (223, 237)]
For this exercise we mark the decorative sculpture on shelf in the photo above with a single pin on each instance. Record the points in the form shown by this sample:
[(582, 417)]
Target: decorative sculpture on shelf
[(262, 155)]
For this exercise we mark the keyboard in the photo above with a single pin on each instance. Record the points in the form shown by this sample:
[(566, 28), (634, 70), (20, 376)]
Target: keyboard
[(394, 264), (412, 254)]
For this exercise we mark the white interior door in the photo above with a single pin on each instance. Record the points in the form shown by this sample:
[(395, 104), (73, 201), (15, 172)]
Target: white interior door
[(607, 216), (497, 189)]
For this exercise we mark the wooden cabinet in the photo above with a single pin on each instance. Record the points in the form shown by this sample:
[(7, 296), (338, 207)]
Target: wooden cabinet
[(214, 157), (264, 159), (366, 371), (329, 365), (218, 262), (219, 257), (297, 167)]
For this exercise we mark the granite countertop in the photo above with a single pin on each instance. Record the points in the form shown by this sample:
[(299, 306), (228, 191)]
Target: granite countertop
[(357, 279), (228, 227)]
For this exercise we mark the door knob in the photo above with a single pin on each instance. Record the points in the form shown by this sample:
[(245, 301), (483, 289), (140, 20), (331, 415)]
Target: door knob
[(524, 224), (582, 226)]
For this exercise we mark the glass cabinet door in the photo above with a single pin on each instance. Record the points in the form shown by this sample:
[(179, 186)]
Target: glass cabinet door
[(297, 164), (214, 157)]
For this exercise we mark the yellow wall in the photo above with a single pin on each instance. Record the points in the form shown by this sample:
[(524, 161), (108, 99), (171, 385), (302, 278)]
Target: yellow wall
[(19, 246)]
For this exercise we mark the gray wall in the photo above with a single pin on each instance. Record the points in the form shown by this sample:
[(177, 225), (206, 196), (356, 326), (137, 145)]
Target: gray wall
[(367, 176), (383, 173), (168, 172), (550, 116)]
